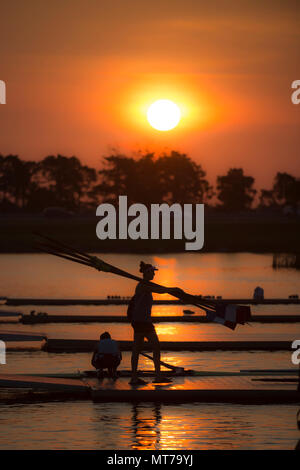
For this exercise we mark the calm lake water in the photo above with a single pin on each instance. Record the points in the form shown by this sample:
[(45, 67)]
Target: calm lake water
[(230, 275), (85, 425)]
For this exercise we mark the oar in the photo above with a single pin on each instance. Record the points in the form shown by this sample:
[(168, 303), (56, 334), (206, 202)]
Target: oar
[(70, 258), (168, 366), (62, 250), (62, 247)]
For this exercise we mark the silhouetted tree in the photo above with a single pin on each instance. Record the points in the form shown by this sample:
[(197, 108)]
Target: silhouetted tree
[(235, 190), (116, 178), (67, 179), (148, 188), (183, 179), (137, 178), (266, 198), (16, 179), (171, 178), (286, 189)]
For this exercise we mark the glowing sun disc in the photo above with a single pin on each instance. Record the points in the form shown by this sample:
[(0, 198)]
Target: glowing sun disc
[(163, 115)]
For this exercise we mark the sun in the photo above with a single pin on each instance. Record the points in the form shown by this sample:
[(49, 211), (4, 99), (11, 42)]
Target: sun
[(163, 115)]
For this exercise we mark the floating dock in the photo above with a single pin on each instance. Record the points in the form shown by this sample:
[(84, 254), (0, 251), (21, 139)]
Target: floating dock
[(21, 336), (79, 345), (204, 389), (42, 383), (32, 389), (290, 373), (87, 345), (34, 319), (222, 389), (10, 396), (33, 301), (7, 313)]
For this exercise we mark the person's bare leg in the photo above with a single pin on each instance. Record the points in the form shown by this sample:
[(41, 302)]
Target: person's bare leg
[(156, 358), (154, 341), (137, 347)]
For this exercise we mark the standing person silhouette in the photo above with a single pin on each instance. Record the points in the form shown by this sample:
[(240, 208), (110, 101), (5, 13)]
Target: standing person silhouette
[(142, 324)]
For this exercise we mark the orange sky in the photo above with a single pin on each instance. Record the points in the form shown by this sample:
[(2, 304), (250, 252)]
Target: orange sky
[(80, 74)]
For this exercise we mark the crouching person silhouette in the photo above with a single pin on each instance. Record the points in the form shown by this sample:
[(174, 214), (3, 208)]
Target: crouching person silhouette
[(106, 356)]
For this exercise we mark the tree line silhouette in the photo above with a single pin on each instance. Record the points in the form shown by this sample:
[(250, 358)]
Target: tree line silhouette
[(60, 181)]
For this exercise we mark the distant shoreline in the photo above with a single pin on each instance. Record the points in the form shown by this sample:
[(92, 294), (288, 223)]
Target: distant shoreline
[(222, 235)]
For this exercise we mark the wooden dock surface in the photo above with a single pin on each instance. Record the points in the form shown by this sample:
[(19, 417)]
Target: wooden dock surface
[(35, 319), (199, 389), (21, 336), (42, 382), (34, 301), (7, 313), (79, 345), (183, 389)]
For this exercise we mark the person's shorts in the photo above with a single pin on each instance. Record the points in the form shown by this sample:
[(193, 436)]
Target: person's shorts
[(107, 361), (143, 327)]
